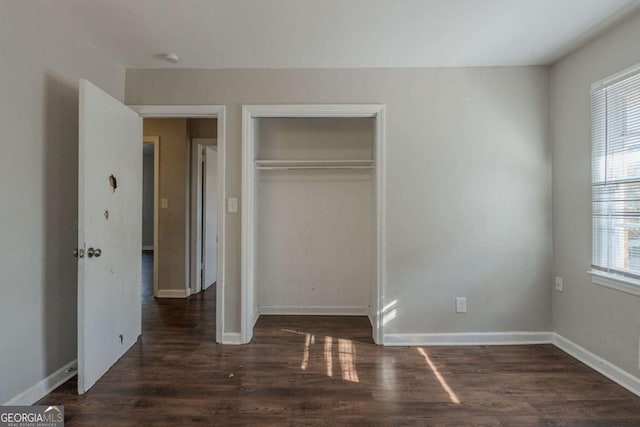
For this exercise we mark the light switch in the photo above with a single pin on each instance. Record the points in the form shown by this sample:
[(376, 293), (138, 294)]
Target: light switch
[(232, 205), (164, 203)]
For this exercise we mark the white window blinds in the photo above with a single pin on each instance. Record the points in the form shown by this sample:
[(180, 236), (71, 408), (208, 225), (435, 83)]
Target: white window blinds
[(616, 176)]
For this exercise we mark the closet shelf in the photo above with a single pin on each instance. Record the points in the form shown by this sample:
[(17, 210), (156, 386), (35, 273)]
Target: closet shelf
[(313, 164)]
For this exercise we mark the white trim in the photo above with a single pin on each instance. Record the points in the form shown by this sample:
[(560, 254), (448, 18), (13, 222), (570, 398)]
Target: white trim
[(615, 78), (147, 248), (231, 338), (155, 140), (469, 338), (619, 283), (173, 111), (249, 112), (173, 293), (377, 302), (256, 317), (205, 111), (195, 213), (314, 310), (597, 363), (314, 110), (187, 217), (220, 277), (247, 227), (45, 386)]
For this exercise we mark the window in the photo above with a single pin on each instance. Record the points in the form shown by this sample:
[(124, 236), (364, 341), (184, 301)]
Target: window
[(616, 176)]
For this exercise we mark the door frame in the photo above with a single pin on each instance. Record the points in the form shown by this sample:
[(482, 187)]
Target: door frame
[(197, 159), (203, 112), (155, 140), (248, 312)]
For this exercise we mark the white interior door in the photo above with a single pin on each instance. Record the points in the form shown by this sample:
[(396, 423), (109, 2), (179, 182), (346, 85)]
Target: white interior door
[(109, 220), (210, 220)]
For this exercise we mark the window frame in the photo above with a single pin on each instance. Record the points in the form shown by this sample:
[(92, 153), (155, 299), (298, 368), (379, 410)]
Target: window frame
[(626, 282)]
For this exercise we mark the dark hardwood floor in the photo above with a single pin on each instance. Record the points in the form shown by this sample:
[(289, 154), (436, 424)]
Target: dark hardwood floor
[(327, 371)]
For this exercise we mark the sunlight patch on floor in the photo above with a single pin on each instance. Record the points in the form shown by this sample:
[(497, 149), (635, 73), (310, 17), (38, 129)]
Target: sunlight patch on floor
[(440, 378), (305, 355), (347, 355), (328, 355)]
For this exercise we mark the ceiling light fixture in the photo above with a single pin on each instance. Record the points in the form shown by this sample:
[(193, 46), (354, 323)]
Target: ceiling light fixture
[(171, 58)]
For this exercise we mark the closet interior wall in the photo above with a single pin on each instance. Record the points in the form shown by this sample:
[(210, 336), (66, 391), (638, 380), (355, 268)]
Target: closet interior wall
[(314, 215)]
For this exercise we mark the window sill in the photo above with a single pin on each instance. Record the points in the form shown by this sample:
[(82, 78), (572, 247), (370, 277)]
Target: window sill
[(619, 283)]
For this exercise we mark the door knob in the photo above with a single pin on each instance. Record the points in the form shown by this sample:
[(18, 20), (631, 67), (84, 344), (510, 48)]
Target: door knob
[(94, 252), (78, 253)]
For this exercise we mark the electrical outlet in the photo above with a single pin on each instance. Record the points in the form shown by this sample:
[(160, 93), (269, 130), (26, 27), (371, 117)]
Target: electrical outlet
[(461, 304), (558, 283), (164, 203)]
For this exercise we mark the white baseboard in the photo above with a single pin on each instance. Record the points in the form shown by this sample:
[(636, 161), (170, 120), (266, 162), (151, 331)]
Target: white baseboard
[(172, 293), (46, 386), (147, 248), (597, 363), (371, 318), (468, 338), (231, 338), (255, 318), (314, 310)]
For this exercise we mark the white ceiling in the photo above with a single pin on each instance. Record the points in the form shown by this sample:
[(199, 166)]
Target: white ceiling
[(337, 33)]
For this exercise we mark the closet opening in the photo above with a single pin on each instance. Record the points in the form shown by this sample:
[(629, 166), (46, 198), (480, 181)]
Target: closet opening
[(312, 217)]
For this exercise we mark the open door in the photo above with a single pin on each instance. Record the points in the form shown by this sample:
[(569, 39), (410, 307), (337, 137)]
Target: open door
[(210, 220), (109, 232)]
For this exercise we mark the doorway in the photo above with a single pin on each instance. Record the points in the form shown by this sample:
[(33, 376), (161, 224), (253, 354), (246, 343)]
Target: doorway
[(186, 246), (196, 116)]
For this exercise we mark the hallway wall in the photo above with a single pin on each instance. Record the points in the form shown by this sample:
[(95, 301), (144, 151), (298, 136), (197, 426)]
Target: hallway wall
[(173, 186)]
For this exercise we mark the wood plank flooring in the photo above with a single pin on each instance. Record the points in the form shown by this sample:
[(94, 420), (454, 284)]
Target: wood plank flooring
[(327, 371)]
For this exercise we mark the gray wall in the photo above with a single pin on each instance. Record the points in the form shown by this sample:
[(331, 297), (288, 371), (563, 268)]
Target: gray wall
[(40, 64), (468, 186), (147, 199), (604, 321)]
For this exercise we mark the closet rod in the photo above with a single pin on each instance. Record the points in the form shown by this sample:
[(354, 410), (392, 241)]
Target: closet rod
[(327, 162), (311, 167)]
